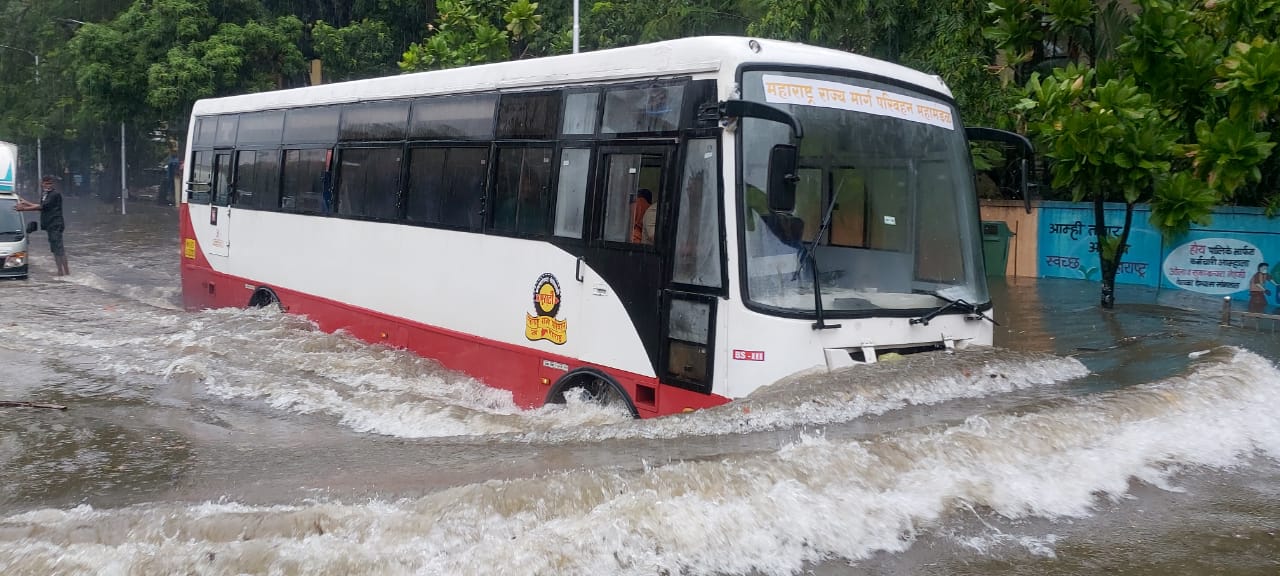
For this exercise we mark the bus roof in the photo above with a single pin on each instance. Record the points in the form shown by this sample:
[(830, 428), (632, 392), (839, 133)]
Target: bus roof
[(685, 56)]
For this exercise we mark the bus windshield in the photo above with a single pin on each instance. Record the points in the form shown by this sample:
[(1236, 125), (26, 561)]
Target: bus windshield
[(889, 171)]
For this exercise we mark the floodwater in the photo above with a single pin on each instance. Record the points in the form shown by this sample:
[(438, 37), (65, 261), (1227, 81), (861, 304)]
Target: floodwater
[(1141, 441)]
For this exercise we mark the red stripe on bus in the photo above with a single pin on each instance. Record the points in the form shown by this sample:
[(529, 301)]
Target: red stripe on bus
[(502, 365)]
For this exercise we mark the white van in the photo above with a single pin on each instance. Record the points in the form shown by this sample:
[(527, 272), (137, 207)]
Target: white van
[(13, 238), (13, 228)]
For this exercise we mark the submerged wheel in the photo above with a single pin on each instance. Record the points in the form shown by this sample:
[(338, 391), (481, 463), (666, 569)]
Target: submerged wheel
[(263, 298), (593, 387)]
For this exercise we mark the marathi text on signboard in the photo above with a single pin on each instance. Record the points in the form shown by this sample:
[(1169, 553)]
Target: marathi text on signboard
[(1212, 265)]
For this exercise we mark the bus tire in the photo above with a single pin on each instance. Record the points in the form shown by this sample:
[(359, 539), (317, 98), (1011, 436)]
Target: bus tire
[(264, 297), (598, 387)]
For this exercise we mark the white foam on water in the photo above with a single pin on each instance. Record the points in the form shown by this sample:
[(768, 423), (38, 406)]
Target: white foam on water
[(812, 501), (167, 295), (845, 395)]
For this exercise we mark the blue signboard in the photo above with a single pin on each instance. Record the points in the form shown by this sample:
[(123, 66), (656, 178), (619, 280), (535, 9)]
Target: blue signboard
[(1239, 248), (1225, 257), (1068, 243)]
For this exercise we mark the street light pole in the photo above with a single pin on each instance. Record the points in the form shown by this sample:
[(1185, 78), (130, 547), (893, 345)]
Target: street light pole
[(575, 26), (39, 141)]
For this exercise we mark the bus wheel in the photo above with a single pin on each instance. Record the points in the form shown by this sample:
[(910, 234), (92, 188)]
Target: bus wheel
[(594, 387), (263, 298)]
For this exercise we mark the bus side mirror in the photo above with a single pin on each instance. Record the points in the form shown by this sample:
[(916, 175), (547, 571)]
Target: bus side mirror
[(32, 227), (783, 159)]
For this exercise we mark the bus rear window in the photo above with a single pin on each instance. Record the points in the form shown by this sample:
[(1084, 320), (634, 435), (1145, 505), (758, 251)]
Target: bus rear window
[(200, 186)]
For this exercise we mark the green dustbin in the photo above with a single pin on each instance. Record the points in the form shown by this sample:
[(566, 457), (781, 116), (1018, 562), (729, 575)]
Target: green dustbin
[(995, 246)]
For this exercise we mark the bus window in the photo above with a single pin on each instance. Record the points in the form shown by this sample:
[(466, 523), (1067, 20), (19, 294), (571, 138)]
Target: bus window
[(446, 186), (654, 109), (258, 179), (889, 218), (522, 201), (369, 182), (849, 216), (529, 115), (304, 181), (697, 251), (226, 135), (201, 184), (937, 229), (260, 128), (369, 121), (467, 117), (809, 207), (206, 131), (581, 110), (571, 197), (632, 193), (222, 179)]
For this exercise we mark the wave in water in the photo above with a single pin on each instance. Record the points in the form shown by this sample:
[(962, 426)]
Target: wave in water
[(773, 513)]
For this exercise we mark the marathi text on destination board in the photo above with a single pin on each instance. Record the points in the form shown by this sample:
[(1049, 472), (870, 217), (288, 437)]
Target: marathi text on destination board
[(823, 94)]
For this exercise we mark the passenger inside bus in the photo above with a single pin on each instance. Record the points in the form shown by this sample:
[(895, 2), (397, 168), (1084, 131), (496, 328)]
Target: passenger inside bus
[(639, 210), (650, 223)]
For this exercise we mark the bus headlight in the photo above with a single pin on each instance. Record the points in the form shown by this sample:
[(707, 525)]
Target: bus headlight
[(15, 260)]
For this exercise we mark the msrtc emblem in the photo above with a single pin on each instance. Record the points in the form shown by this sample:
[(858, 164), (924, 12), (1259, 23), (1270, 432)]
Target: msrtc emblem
[(543, 324)]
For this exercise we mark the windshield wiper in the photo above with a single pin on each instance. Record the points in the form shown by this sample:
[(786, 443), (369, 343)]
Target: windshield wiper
[(812, 252), (970, 310)]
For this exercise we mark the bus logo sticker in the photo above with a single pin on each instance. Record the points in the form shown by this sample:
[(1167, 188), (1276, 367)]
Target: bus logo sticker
[(542, 324), (189, 248)]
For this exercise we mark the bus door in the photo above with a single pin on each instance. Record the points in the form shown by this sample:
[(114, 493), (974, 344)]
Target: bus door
[(220, 205), (631, 198), (696, 280)]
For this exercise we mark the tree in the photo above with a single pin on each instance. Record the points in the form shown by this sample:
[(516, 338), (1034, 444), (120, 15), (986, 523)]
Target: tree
[(478, 31), (612, 23), (943, 37), (1182, 114), (364, 49)]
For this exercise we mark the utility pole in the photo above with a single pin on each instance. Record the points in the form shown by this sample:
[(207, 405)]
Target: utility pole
[(575, 26), (124, 171)]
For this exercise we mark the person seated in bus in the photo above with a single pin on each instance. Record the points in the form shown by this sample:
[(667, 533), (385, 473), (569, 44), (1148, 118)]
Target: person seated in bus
[(644, 200), (649, 223)]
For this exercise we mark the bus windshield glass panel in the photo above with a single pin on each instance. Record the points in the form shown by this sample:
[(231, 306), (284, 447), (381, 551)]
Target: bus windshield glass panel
[(887, 169)]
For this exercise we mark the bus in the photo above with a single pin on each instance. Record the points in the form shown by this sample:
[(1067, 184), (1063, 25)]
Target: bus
[(663, 227)]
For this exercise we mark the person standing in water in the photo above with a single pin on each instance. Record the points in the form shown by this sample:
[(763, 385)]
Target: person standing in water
[(50, 209)]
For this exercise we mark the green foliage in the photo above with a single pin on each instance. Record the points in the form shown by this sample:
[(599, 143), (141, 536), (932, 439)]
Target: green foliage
[(1229, 154), (478, 31), (1105, 139), (942, 37), (522, 19), (1251, 80), (1180, 201), (985, 156), (1182, 114), (363, 49)]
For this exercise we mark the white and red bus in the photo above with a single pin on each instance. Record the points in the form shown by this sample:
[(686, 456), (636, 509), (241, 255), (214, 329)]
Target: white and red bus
[(667, 226)]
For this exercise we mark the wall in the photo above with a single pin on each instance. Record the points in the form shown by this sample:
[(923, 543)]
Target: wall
[(1059, 240), (1023, 252)]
